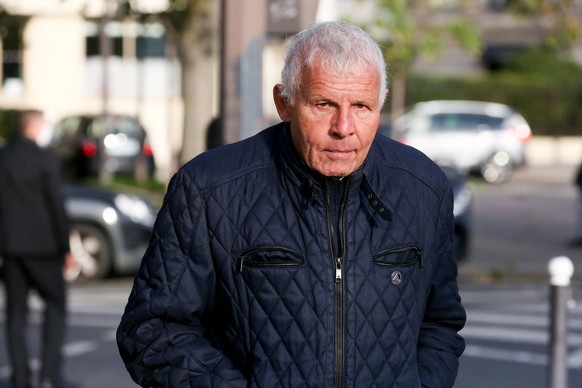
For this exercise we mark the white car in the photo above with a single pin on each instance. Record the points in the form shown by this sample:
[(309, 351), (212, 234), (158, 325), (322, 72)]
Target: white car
[(472, 136)]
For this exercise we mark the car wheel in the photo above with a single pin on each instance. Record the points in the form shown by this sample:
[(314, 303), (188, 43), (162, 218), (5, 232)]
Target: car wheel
[(91, 253), (498, 168)]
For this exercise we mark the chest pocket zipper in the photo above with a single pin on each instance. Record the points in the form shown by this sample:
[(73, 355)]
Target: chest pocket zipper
[(270, 257), (399, 256)]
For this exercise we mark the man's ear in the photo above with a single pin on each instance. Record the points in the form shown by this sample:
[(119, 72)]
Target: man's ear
[(281, 103)]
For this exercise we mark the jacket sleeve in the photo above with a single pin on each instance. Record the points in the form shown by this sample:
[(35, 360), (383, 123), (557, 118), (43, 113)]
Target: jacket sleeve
[(53, 187), (161, 336), (440, 345)]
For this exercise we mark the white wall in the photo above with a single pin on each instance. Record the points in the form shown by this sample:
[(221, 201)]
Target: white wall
[(91, 8), (548, 151), (52, 64)]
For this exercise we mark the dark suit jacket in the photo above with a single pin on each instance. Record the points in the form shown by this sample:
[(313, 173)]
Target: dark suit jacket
[(33, 220)]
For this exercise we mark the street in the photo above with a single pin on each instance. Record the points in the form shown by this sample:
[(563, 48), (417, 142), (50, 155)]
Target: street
[(506, 334), (507, 337), (91, 356), (518, 227)]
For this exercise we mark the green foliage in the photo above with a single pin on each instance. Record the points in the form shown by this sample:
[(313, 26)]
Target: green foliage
[(401, 42), (525, 7), (542, 85), (9, 124), (543, 62), (565, 27), (408, 36), (551, 108), (466, 34)]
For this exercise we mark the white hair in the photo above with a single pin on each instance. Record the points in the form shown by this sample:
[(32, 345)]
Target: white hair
[(337, 46)]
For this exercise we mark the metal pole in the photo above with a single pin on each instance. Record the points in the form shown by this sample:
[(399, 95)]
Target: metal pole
[(105, 48), (561, 270)]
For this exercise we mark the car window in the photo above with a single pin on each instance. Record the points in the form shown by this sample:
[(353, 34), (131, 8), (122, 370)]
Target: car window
[(96, 128), (514, 121), (66, 128), (115, 124), (463, 122), (126, 125), (418, 124)]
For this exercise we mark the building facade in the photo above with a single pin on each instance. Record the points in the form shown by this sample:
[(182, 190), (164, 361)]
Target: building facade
[(54, 58)]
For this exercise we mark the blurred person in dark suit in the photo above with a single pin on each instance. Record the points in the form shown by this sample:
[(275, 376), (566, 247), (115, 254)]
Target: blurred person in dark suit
[(34, 245)]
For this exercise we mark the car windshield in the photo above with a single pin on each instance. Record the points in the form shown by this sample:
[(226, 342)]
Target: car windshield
[(453, 122), (115, 124)]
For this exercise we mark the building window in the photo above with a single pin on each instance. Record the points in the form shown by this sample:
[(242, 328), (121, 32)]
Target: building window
[(128, 39), (498, 5), (151, 41), (137, 61), (11, 36), (113, 31)]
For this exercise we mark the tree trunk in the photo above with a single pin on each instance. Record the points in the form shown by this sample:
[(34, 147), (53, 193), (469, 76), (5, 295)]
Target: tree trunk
[(199, 57), (398, 95)]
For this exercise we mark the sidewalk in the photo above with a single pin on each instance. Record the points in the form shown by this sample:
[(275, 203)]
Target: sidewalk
[(546, 173)]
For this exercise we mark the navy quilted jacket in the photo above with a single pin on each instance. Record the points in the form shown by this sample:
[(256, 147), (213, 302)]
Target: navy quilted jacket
[(262, 273)]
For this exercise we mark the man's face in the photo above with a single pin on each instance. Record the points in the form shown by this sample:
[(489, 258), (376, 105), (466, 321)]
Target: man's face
[(334, 119)]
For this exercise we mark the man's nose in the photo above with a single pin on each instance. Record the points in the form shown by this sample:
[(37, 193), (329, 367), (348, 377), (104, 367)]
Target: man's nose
[(344, 123)]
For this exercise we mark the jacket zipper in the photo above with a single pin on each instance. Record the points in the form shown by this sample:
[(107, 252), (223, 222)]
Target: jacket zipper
[(339, 287)]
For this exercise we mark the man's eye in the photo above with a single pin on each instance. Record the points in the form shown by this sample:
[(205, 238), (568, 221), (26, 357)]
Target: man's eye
[(323, 104), (360, 106)]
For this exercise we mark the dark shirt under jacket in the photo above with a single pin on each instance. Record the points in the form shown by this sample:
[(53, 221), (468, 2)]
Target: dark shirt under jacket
[(33, 220)]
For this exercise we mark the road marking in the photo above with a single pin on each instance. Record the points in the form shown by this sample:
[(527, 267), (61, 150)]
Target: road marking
[(517, 334), (505, 355), (72, 349), (522, 357), (503, 318), (575, 359), (77, 348)]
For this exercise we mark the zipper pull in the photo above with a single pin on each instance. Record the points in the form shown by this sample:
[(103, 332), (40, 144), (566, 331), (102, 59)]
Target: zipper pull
[(338, 270)]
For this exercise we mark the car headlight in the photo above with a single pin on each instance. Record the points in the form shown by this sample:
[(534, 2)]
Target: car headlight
[(135, 208), (109, 215)]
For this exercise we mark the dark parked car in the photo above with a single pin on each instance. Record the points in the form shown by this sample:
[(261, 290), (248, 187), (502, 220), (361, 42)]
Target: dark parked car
[(109, 231), (463, 203), (84, 142)]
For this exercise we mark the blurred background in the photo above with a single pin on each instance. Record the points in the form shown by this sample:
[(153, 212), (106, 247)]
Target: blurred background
[(490, 89)]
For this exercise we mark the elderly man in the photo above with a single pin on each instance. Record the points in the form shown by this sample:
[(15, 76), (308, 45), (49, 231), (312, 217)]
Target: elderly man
[(314, 254)]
